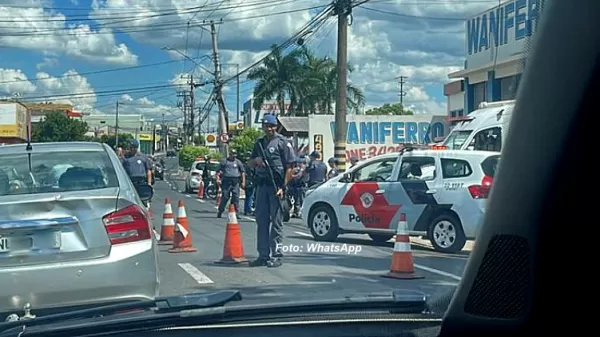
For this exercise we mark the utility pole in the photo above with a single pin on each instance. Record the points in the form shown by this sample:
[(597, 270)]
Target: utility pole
[(342, 9), (117, 126), (237, 79), (183, 104), (402, 93), (219, 91), (192, 104)]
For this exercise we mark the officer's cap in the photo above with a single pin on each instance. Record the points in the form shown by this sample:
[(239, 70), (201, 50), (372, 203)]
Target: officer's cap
[(232, 151), (269, 119), (134, 143)]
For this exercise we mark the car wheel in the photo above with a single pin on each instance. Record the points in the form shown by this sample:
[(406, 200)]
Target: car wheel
[(323, 223), (446, 234), (380, 238)]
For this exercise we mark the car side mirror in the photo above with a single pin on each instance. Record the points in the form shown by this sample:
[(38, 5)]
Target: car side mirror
[(146, 192)]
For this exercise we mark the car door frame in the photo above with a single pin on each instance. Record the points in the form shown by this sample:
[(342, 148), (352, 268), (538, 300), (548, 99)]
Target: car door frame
[(417, 196), (347, 214)]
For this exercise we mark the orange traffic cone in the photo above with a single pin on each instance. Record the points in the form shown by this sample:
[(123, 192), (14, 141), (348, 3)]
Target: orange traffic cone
[(201, 190), (167, 229), (402, 266), (182, 240), (233, 250)]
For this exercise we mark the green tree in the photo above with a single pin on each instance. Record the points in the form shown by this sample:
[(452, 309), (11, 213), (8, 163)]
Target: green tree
[(189, 153), (58, 127), (243, 142), (389, 109), (276, 78), (309, 82)]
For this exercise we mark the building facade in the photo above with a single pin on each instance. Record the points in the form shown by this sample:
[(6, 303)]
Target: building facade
[(496, 46)]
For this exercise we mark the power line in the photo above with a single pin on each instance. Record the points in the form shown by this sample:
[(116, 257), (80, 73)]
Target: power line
[(149, 28), (110, 70)]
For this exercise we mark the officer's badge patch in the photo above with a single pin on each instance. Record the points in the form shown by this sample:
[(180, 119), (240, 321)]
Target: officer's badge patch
[(367, 200), (272, 149), (289, 145), (139, 161)]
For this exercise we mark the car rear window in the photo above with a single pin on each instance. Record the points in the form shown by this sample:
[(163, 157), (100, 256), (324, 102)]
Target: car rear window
[(211, 166), (490, 165), (60, 171)]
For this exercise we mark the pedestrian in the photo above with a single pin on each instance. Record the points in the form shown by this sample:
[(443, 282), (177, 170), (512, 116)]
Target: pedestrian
[(272, 152), (232, 170)]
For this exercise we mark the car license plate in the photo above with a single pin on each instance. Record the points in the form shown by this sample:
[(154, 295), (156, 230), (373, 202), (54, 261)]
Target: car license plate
[(4, 245)]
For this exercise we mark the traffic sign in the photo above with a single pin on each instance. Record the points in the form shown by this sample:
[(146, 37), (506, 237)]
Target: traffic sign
[(210, 138), (224, 137)]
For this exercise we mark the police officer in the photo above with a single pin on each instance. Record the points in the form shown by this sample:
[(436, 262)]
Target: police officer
[(316, 170), (278, 153), (298, 185), (231, 170), (334, 170), (353, 161), (137, 165), (206, 174), (250, 195)]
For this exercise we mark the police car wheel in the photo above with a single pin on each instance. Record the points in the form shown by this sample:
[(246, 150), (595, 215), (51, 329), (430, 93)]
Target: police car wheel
[(381, 237), (446, 234), (323, 223)]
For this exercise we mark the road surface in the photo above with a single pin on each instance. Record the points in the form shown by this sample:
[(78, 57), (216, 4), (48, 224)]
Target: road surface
[(304, 275)]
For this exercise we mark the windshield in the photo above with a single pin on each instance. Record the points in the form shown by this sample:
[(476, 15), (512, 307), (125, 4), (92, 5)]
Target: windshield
[(212, 166), (456, 139), (105, 72), (56, 172)]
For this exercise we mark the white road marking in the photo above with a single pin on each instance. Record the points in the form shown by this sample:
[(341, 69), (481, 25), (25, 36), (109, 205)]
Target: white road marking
[(304, 234), (248, 218), (201, 200), (437, 271), (156, 235), (195, 273), (418, 266)]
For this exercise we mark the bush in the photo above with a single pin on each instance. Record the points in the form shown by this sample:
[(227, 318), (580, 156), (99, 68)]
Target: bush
[(189, 153)]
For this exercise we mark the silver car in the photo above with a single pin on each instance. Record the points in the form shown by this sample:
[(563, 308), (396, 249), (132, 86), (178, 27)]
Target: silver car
[(73, 229)]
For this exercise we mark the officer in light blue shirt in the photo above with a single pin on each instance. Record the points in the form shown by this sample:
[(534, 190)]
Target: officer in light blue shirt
[(137, 165), (232, 172), (278, 153)]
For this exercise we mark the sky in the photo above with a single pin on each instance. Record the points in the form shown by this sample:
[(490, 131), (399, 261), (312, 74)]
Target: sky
[(93, 53)]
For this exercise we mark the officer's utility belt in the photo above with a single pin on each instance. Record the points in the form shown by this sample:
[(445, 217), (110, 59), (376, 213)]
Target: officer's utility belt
[(231, 179)]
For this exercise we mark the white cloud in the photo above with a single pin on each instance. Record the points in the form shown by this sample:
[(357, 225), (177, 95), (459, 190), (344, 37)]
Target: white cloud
[(37, 29)]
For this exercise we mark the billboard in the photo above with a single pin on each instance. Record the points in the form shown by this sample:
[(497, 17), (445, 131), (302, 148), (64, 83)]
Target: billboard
[(370, 136), (500, 32), (13, 120)]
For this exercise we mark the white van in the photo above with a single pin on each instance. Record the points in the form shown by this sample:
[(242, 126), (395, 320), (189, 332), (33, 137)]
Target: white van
[(483, 129)]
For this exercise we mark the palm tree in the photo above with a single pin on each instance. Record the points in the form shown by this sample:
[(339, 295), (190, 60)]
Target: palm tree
[(276, 77)]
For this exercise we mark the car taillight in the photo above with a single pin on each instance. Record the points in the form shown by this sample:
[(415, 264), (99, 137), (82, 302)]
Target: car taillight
[(481, 191), (129, 224)]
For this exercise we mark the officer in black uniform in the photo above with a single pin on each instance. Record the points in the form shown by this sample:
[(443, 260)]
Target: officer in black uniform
[(316, 170), (278, 153), (231, 170)]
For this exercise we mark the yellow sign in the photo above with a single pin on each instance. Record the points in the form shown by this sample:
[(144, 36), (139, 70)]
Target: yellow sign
[(211, 138), (318, 140), (11, 130), (145, 137)]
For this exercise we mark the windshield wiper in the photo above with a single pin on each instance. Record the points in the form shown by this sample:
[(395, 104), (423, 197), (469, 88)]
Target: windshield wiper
[(159, 305), (396, 302)]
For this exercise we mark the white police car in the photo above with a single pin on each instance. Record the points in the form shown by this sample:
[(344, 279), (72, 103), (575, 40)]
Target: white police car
[(442, 193)]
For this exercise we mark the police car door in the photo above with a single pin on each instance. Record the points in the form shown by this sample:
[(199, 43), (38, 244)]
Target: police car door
[(416, 189), (364, 204)]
